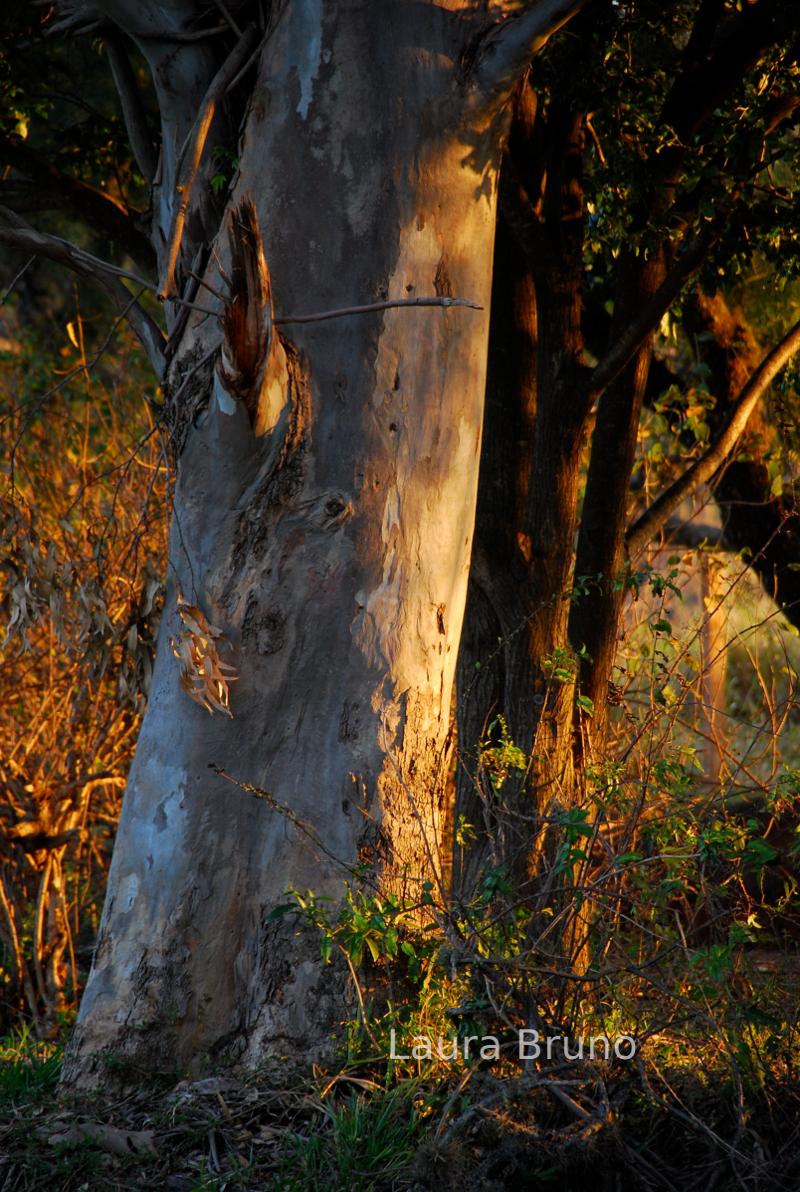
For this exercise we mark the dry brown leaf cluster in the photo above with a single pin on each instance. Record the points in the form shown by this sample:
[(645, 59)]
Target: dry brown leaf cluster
[(204, 676)]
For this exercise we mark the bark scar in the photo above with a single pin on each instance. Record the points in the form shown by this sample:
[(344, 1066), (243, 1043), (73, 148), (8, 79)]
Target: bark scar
[(247, 321), (441, 280)]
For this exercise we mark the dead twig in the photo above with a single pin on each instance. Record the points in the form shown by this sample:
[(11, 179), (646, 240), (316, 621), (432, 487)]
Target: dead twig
[(367, 308)]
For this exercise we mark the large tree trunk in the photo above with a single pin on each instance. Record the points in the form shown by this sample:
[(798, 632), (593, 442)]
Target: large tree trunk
[(324, 525)]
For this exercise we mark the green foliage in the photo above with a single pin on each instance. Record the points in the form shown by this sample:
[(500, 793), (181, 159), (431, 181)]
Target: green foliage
[(675, 428), (29, 1069), (59, 101), (367, 924), (561, 666), (648, 121), (465, 833), (575, 829), (364, 1142), (659, 582), (499, 756), (226, 163)]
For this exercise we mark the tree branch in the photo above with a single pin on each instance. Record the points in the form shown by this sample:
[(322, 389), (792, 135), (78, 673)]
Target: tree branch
[(657, 516), (628, 344), (228, 18), (193, 154), (506, 49), (93, 206), (185, 38), (181, 70), (371, 306), (692, 535), (708, 77), (133, 112), (19, 235)]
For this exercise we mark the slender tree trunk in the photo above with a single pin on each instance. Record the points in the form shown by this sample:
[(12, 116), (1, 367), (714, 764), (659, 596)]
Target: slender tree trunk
[(490, 681), (552, 508), (516, 624), (713, 668), (323, 522), (600, 562)]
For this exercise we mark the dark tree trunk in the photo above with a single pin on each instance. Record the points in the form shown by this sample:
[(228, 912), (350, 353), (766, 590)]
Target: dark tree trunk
[(517, 615), (601, 558), (490, 682)]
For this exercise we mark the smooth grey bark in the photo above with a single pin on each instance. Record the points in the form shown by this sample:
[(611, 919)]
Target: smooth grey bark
[(324, 525)]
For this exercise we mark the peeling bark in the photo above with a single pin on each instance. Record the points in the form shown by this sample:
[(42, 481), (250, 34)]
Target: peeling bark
[(246, 320)]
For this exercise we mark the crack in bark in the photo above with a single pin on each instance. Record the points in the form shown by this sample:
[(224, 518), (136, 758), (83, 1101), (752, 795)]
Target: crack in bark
[(187, 394)]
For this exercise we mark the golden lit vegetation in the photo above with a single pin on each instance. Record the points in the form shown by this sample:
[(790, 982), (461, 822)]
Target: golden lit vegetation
[(81, 553)]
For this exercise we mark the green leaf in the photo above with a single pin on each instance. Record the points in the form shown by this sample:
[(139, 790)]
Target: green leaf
[(372, 944), (279, 911)]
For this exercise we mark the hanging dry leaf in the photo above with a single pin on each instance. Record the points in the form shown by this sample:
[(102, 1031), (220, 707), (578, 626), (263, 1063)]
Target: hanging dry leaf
[(203, 676)]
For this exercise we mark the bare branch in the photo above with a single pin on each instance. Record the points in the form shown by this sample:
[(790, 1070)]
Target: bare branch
[(133, 112), (184, 38), (73, 26), (626, 347), (692, 535), (657, 516), (194, 153), (228, 17), (12, 285), (507, 48), (371, 306), (93, 206), (85, 263), (283, 809), (19, 235)]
